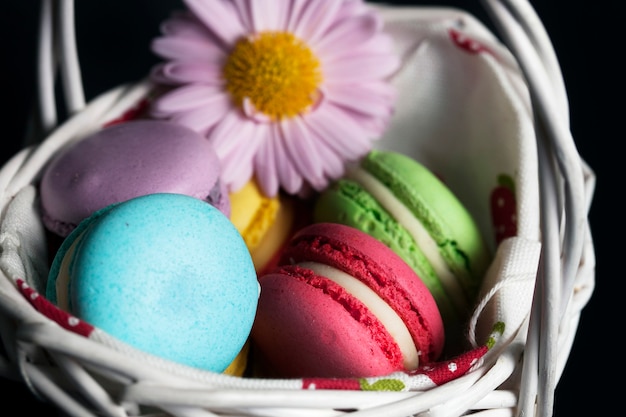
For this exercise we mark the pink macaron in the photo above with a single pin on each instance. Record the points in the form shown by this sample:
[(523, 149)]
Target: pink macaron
[(127, 160), (342, 304)]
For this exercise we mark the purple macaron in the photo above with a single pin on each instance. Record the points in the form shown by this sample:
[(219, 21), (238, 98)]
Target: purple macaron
[(122, 161)]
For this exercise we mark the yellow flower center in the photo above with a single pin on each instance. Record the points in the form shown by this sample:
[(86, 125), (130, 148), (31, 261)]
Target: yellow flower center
[(276, 71)]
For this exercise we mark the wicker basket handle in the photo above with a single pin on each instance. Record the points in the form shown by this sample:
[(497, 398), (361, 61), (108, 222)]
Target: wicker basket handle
[(562, 175), (57, 34)]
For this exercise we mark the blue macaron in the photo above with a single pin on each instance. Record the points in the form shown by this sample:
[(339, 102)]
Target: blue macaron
[(165, 273)]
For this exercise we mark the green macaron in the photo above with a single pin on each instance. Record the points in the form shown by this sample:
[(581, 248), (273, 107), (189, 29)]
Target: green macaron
[(401, 202)]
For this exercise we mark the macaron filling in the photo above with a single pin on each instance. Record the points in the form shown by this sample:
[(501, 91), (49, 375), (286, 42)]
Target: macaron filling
[(387, 315), (416, 229), (63, 277)]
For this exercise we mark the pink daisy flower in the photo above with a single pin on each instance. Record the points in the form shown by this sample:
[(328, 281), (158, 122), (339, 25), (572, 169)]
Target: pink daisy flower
[(287, 91)]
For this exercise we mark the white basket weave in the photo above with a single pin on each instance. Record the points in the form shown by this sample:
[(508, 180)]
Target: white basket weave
[(86, 376)]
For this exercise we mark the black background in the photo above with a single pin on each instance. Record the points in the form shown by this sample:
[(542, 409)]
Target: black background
[(113, 39)]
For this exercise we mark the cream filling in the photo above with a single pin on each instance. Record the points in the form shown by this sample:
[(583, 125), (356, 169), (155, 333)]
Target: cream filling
[(63, 278), (388, 317), (416, 229)]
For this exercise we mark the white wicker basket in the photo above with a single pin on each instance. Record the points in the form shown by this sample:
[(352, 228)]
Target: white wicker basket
[(100, 376)]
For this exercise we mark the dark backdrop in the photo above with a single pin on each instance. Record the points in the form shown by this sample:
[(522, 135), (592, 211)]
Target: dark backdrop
[(113, 46)]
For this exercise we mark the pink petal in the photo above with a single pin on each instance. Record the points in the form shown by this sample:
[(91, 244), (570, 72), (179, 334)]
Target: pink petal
[(372, 99), (220, 18), (265, 163), (296, 10), (251, 112), (333, 164), (315, 19), (186, 98), (374, 126), (282, 17), (348, 10), (193, 72), (302, 149), (229, 132), (265, 16), (184, 25), (243, 11), (245, 173), (234, 137), (351, 8), (340, 132), (288, 175), (379, 45), (237, 164), (345, 36), (187, 49), (357, 69), (202, 119), (157, 76)]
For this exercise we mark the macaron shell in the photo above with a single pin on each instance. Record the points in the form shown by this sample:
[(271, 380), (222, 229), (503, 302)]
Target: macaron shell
[(308, 326), (439, 210), (373, 263), (168, 274), (127, 160)]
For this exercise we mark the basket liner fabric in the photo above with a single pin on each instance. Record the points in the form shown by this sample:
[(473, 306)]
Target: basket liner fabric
[(463, 110)]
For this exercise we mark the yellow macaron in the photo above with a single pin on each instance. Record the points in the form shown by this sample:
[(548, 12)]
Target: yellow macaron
[(265, 223)]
